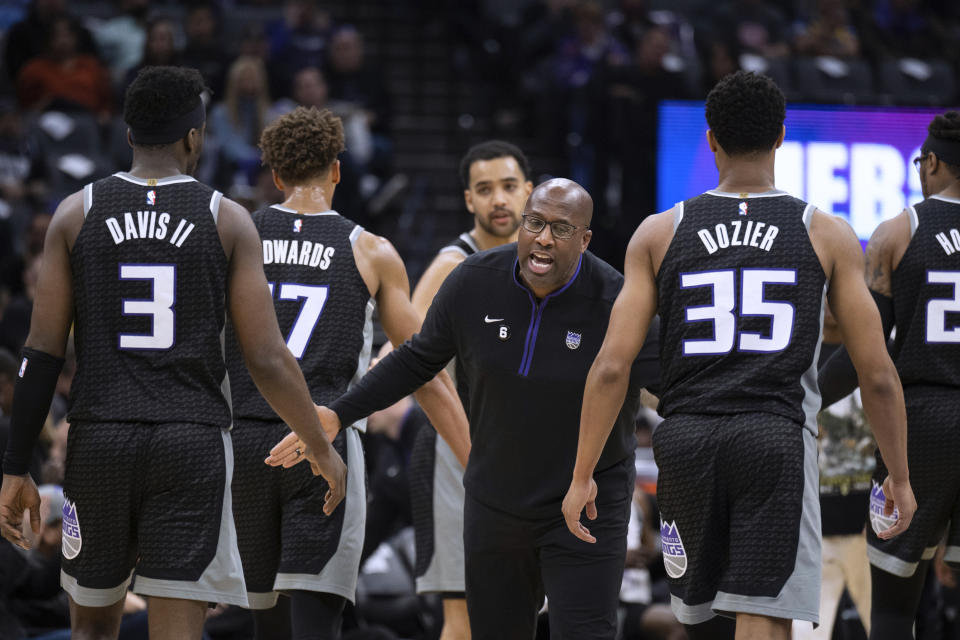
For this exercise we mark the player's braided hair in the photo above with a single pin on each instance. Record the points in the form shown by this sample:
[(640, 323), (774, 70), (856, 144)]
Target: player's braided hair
[(488, 151), (947, 127), (745, 111), (302, 144), (160, 95)]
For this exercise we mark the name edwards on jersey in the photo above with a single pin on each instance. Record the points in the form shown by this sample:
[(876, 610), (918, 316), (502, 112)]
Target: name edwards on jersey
[(148, 225), (300, 252)]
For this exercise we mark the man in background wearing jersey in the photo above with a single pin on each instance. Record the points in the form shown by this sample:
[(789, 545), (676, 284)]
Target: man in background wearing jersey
[(495, 177), (147, 264), (913, 272), (328, 276), (738, 277)]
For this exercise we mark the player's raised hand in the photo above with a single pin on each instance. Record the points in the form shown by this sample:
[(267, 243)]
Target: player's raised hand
[(18, 494), (899, 495), (580, 496)]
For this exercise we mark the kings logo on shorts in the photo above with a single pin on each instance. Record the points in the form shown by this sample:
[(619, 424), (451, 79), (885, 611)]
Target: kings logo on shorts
[(674, 556), (878, 520), (71, 531)]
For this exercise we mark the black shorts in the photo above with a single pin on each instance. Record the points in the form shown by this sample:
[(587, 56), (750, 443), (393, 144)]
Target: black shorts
[(285, 539), (933, 456), (149, 497), (512, 562), (740, 515)]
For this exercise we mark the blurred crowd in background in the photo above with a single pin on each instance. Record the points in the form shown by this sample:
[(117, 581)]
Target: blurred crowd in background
[(575, 83)]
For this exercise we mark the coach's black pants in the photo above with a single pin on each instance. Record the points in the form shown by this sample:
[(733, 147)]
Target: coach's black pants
[(512, 562)]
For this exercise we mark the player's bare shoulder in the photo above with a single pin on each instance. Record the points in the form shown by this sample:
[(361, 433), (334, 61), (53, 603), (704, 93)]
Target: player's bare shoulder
[(67, 219), (652, 237), (377, 260)]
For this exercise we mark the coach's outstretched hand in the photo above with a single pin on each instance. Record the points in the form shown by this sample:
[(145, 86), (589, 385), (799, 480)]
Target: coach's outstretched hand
[(18, 494), (292, 450), (580, 495), (899, 495)]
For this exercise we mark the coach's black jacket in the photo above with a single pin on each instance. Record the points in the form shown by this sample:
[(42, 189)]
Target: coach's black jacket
[(525, 362)]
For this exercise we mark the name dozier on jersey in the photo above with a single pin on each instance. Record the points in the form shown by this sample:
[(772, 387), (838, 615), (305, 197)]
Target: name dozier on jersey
[(722, 238)]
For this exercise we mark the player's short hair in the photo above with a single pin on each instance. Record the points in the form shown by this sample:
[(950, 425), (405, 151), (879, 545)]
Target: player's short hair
[(159, 97), (488, 151), (745, 111), (946, 126), (303, 144)]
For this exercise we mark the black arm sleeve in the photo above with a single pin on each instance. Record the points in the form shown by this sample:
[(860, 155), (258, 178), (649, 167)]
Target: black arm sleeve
[(411, 365), (35, 385), (837, 377)]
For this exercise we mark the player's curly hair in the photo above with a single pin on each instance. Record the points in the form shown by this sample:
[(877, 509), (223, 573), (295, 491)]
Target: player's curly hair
[(946, 126), (302, 144), (745, 111), (160, 95), (488, 151)]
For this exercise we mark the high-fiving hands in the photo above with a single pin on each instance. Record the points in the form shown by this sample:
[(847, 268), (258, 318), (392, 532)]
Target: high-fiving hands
[(292, 450)]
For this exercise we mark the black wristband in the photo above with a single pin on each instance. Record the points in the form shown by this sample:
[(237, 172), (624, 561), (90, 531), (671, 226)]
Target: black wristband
[(35, 384)]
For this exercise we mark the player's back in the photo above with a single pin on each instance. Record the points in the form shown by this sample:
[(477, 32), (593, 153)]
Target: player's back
[(741, 295), (323, 305), (926, 296), (149, 282)]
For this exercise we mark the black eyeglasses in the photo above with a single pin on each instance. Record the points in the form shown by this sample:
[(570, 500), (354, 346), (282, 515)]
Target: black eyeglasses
[(918, 162), (560, 230)]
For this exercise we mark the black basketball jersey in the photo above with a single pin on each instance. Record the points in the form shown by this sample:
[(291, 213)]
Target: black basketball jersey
[(741, 307), (323, 305), (926, 296), (464, 244), (149, 283)]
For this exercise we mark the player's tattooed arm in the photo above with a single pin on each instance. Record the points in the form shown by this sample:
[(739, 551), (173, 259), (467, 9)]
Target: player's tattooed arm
[(884, 250)]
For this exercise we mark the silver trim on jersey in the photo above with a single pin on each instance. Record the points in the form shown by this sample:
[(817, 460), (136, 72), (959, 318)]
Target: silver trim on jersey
[(945, 199), (90, 597), (87, 198), (355, 234), (467, 239), (225, 383), (677, 215), (808, 216), (775, 193), (215, 205), (123, 175), (280, 207), (914, 220), (363, 359)]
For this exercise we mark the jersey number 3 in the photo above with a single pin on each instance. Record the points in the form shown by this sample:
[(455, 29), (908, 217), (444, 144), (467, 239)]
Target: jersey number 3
[(938, 308), (159, 306), (752, 303)]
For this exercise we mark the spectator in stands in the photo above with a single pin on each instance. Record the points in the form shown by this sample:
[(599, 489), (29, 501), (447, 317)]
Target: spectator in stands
[(719, 56), (26, 39), (828, 32), (904, 28), (298, 40), (15, 321), (64, 77), (238, 121), (204, 50), (592, 44), (758, 26), (14, 172), (159, 49), (121, 39)]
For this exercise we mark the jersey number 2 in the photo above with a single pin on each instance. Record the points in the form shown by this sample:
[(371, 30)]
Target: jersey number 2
[(938, 308), (752, 303), (314, 298)]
